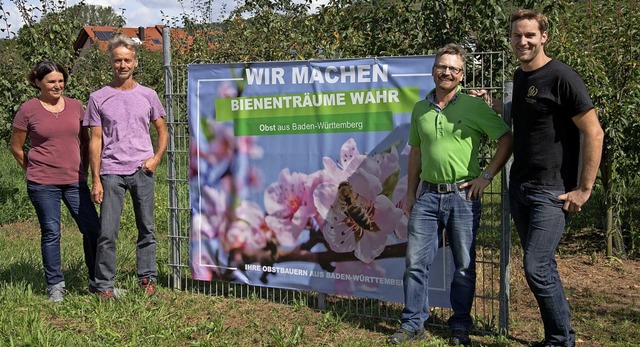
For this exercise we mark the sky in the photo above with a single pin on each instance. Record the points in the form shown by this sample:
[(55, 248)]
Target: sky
[(137, 12)]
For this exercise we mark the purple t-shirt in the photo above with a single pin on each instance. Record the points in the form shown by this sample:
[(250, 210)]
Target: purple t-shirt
[(124, 116), (54, 156)]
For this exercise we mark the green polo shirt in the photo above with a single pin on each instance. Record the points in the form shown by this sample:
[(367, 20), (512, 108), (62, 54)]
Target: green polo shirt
[(449, 138)]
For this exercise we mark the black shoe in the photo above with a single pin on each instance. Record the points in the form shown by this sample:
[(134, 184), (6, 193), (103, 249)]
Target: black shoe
[(404, 335), (459, 337)]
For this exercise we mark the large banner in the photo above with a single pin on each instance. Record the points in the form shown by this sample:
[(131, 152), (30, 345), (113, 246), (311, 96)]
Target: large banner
[(299, 171)]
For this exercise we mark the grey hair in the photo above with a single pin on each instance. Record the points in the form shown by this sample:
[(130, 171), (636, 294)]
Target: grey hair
[(122, 40)]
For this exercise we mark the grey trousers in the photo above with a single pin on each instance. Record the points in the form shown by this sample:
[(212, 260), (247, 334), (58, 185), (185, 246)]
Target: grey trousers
[(141, 186)]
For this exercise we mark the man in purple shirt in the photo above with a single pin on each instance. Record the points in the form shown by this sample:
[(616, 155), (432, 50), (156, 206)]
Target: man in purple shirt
[(122, 158)]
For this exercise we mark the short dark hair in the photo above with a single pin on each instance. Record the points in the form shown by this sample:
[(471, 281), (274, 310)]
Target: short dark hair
[(43, 68), (528, 14), (453, 49)]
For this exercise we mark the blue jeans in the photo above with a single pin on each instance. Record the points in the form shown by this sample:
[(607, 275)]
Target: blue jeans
[(460, 217), (540, 221), (46, 201), (141, 187)]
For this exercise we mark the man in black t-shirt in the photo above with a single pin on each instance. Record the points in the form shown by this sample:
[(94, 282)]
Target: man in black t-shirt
[(552, 172)]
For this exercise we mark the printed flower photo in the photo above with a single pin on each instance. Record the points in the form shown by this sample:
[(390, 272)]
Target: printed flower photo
[(347, 212), (308, 197)]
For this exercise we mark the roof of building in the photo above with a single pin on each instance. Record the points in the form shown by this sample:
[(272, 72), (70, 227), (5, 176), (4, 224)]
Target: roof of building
[(149, 37)]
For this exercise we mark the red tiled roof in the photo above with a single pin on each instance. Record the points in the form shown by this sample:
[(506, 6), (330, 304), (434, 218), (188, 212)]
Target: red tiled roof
[(90, 35)]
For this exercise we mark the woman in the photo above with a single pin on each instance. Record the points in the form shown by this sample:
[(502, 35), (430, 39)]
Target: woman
[(56, 166)]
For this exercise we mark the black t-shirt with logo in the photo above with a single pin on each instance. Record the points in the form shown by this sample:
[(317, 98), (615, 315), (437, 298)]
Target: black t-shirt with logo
[(546, 140)]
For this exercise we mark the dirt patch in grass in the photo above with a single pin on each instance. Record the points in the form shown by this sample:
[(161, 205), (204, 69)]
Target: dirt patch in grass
[(604, 295), (19, 231)]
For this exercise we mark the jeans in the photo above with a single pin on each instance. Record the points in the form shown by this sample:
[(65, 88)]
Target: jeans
[(432, 213), (141, 187), (540, 221), (46, 201)]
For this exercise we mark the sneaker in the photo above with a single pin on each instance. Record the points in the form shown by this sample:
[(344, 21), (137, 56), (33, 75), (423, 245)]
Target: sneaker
[(404, 335), (148, 287), (459, 337), (117, 292), (56, 293), (107, 295)]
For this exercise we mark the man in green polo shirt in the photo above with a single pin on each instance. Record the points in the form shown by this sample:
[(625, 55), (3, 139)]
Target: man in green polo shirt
[(446, 128)]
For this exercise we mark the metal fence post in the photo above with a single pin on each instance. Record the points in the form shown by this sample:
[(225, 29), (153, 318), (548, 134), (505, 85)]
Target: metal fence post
[(175, 275), (505, 240)]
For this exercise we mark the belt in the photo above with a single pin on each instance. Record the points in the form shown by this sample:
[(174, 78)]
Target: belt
[(441, 187)]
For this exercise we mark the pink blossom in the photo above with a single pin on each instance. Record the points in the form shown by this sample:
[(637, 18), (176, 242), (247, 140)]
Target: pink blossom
[(355, 222), (397, 199), (214, 217), (255, 178), (289, 205), (350, 160), (335, 172), (250, 231), (222, 143), (357, 215), (247, 145), (200, 227)]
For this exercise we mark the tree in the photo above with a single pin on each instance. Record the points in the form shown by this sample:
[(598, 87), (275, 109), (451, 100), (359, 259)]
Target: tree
[(95, 15), (265, 30), (14, 89), (49, 32), (611, 70)]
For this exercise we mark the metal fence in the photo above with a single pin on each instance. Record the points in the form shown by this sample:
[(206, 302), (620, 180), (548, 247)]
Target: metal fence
[(490, 309)]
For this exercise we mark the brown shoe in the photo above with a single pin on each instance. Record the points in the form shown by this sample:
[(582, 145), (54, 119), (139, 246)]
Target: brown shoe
[(147, 286), (107, 295)]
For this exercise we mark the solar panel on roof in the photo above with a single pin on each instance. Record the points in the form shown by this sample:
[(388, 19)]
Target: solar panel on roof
[(157, 42), (104, 35)]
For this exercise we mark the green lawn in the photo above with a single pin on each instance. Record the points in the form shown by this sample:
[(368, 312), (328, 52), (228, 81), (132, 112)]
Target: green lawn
[(176, 318), (172, 318), (604, 295)]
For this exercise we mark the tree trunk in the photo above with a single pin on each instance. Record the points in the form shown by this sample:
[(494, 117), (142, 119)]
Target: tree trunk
[(615, 243), (605, 171)]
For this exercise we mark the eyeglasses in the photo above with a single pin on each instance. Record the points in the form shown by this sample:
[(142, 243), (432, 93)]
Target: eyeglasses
[(454, 70)]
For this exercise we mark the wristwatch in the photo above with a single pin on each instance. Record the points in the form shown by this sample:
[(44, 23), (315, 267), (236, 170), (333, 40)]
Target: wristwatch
[(486, 175)]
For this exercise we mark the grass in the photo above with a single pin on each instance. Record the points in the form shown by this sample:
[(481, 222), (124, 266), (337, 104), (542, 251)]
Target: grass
[(603, 293), (172, 318), (176, 318)]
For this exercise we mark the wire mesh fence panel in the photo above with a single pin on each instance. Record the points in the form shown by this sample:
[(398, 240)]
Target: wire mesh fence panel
[(484, 70)]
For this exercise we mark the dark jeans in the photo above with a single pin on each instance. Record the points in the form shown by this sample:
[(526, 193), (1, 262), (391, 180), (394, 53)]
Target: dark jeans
[(46, 201), (433, 213), (540, 222), (141, 188)]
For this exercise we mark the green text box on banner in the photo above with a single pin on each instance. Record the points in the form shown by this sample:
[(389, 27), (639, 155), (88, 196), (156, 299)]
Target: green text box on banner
[(334, 123), (394, 100)]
